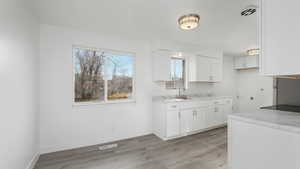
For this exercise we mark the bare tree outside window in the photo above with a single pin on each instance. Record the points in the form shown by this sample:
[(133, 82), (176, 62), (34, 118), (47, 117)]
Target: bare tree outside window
[(102, 76)]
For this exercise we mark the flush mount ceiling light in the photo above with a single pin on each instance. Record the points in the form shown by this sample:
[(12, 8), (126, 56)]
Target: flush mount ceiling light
[(253, 52), (189, 22)]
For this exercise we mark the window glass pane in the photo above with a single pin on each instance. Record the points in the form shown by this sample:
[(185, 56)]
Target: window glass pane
[(177, 74), (89, 75), (177, 69), (119, 72)]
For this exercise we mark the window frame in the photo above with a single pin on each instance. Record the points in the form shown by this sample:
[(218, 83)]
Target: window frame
[(105, 101), (183, 67), (184, 73)]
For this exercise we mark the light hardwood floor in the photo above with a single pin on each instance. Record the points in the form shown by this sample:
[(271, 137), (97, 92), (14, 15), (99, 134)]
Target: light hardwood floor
[(206, 150)]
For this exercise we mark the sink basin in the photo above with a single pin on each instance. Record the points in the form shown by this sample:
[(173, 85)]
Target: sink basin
[(182, 97)]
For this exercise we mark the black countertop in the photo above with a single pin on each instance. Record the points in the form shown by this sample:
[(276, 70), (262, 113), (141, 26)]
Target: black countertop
[(290, 108)]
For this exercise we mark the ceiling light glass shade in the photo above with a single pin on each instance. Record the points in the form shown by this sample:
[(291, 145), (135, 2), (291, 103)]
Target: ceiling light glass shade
[(188, 22), (253, 52)]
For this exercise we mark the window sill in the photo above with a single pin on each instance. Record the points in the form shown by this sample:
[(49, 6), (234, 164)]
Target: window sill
[(103, 103)]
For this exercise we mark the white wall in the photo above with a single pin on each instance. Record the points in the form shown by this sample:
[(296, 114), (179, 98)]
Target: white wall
[(63, 126), (288, 91), (19, 85), (252, 84)]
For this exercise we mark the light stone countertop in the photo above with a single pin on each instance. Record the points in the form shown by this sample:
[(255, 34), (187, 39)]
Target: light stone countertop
[(283, 120), (171, 99)]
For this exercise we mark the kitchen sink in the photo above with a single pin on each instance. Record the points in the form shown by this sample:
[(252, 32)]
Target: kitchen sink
[(182, 97)]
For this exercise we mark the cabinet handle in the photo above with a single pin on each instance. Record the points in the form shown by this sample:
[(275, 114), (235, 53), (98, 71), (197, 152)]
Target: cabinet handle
[(179, 115)]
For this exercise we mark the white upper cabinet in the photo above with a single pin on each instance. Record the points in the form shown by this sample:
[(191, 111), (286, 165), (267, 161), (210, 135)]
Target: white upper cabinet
[(246, 62), (205, 69), (192, 68), (216, 70), (280, 37), (161, 65)]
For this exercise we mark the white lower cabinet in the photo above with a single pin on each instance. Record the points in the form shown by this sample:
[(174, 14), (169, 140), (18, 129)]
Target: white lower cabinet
[(186, 118), (173, 123), (210, 117), (198, 122), (192, 120), (227, 108), (172, 120)]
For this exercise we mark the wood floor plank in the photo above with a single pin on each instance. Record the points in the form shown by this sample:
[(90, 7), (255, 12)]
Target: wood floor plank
[(207, 150)]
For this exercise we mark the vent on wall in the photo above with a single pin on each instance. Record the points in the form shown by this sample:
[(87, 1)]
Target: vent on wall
[(249, 10)]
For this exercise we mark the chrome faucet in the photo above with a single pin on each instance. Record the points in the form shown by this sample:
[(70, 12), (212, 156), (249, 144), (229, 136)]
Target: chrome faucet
[(179, 92), (180, 95)]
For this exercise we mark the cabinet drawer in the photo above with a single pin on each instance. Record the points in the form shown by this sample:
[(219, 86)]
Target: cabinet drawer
[(228, 101), (188, 105), (217, 102), (196, 104), (172, 106)]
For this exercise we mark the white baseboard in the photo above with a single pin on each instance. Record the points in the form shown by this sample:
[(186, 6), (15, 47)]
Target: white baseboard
[(33, 161)]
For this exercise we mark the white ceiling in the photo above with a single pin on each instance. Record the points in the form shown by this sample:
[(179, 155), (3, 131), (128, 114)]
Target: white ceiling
[(221, 24)]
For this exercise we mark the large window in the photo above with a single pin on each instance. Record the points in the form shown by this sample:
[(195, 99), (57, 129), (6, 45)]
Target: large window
[(102, 76)]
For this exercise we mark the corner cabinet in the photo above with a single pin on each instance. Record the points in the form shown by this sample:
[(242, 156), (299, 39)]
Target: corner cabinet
[(280, 37), (246, 62), (178, 119), (205, 69)]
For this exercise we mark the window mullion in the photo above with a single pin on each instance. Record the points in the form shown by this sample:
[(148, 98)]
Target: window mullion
[(105, 90), (105, 82)]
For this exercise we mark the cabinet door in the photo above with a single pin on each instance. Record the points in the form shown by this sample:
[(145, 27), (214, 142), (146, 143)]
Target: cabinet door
[(210, 117), (192, 67), (161, 64), (219, 114), (216, 71), (199, 118), (280, 40), (203, 69), (227, 110), (173, 123), (186, 121)]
